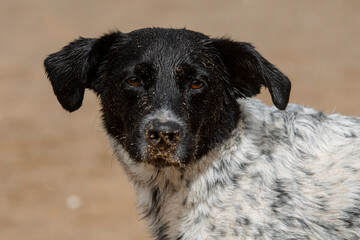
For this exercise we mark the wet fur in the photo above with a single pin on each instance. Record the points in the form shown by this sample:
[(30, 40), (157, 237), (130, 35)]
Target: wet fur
[(242, 170)]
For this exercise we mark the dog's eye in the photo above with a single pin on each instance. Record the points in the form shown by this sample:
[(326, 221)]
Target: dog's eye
[(197, 84), (133, 82)]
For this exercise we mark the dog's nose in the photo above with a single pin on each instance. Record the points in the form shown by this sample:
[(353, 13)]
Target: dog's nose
[(163, 134)]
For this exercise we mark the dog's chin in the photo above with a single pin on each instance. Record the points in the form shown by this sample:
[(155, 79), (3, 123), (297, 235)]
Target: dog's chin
[(161, 159)]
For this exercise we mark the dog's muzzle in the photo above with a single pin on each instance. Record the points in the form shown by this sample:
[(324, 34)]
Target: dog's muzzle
[(163, 138)]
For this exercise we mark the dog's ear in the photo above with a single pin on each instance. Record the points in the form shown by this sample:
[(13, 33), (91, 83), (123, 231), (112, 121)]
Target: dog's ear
[(248, 71), (76, 67)]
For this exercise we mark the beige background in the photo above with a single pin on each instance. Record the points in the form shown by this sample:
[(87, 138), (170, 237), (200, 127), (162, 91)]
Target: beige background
[(48, 155)]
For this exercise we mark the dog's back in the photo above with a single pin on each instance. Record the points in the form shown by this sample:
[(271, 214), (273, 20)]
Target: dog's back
[(299, 174)]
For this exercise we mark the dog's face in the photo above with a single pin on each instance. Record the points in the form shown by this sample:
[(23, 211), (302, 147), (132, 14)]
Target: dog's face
[(168, 96)]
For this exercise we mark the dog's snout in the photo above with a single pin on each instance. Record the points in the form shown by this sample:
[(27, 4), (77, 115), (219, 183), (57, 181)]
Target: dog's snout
[(163, 134)]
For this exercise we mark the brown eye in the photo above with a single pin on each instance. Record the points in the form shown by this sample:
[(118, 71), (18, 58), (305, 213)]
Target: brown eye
[(133, 82), (197, 84)]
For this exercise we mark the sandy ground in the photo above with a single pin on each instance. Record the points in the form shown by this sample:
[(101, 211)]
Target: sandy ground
[(49, 157)]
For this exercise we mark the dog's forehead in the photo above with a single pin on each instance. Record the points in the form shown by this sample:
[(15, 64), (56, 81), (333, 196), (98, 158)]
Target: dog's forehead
[(169, 52), (149, 35), (167, 42)]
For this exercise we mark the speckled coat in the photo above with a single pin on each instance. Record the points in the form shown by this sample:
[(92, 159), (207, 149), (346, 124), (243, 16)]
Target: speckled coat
[(291, 174)]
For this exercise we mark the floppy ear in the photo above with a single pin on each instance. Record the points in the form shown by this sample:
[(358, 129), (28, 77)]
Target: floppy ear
[(249, 71), (76, 67)]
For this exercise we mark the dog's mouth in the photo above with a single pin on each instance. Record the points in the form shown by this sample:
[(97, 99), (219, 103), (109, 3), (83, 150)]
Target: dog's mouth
[(162, 157)]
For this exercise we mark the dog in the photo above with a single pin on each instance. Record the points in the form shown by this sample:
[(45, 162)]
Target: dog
[(206, 160)]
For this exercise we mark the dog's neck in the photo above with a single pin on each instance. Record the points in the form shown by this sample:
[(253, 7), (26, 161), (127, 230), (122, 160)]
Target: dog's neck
[(167, 195)]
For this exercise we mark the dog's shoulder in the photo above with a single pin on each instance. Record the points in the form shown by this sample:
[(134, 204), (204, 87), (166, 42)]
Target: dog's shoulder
[(297, 122)]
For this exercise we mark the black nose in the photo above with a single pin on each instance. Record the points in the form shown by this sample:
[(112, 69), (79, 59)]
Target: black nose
[(163, 134)]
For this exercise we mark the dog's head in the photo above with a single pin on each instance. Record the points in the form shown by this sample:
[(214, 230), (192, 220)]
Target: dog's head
[(168, 95)]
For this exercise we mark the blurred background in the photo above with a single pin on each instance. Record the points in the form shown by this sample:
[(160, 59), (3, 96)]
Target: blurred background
[(58, 177)]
